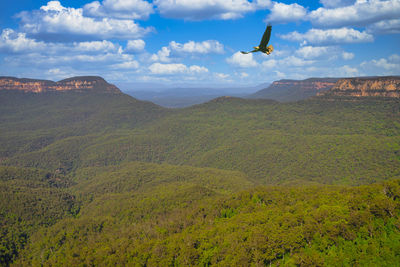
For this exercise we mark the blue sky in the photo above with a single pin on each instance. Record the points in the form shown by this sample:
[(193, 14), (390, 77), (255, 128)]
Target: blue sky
[(197, 42)]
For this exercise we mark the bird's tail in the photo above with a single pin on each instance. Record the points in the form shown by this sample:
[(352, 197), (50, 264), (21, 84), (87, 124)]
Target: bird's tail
[(270, 48)]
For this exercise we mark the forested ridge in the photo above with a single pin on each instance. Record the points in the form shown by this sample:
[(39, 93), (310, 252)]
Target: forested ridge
[(98, 179)]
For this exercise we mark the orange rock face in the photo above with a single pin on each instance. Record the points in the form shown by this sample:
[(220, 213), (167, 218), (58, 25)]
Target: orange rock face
[(77, 84), (388, 86)]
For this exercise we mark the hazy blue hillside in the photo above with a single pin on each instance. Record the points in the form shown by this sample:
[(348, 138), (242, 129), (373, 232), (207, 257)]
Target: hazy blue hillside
[(184, 97)]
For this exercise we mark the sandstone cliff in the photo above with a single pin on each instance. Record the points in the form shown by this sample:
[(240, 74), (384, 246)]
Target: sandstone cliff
[(387, 86), (292, 90), (76, 84)]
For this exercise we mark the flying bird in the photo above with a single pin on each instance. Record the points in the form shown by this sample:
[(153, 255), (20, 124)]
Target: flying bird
[(262, 47)]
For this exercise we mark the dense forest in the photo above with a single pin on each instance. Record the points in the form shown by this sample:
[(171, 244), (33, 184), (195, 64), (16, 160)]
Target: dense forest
[(104, 179)]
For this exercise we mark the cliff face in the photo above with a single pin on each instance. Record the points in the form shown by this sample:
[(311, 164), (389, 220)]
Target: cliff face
[(292, 90), (76, 84), (312, 84), (388, 86)]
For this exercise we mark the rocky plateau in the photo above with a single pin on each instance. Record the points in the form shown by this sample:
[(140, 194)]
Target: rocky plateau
[(75, 84)]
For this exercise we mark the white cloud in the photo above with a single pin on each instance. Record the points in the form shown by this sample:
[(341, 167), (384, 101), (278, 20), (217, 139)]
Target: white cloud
[(282, 13), (205, 47), (197, 69), (329, 37), (347, 71), (162, 55), (178, 68), (95, 46), (58, 59), (55, 22), (293, 61), (135, 46), (208, 9), (385, 64), (242, 60), (395, 58), (222, 76), (280, 74), (244, 75), (53, 6), (389, 64), (314, 51), (11, 41), (270, 63), (175, 49), (14, 42), (386, 26), (121, 9), (347, 55), (133, 64), (323, 52), (362, 13)]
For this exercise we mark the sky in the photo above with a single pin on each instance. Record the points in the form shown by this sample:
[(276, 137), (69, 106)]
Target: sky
[(198, 42)]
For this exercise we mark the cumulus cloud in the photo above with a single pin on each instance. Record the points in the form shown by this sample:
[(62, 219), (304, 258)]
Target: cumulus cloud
[(386, 66), (133, 64), (95, 46), (162, 55), (135, 46), (282, 13), (178, 68), (197, 69), (55, 59), (329, 37), (205, 47), (221, 76), (210, 9), (120, 9), (175, 49), (384, 27), (361, 13), (293, 61), (347, 55), (314, 51), (55, 22), (242, 60), (323, 52), (14, 42), (270, 63), (347, 71)]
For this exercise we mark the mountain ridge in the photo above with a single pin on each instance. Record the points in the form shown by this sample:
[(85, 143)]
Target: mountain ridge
[(75, 84), (382, 86), (287, 90)]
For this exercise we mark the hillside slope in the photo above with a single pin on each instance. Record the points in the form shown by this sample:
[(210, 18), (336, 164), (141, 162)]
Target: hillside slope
[(31, 121), (105, 179), (316, 141)]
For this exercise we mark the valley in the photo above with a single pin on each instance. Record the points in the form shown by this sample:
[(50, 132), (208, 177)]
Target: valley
[(93, 176)]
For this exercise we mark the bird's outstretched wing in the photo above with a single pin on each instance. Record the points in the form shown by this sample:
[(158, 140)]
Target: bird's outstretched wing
[(244, 52), (265, 38)]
